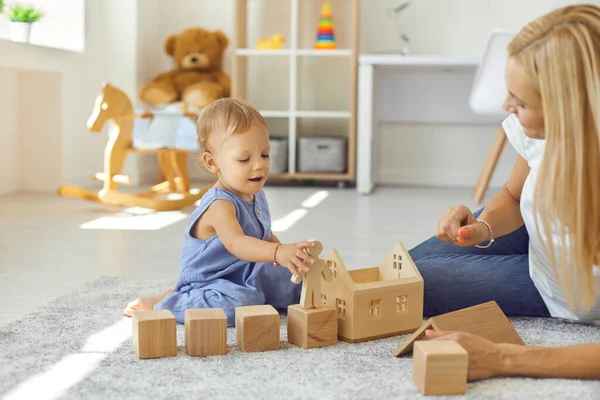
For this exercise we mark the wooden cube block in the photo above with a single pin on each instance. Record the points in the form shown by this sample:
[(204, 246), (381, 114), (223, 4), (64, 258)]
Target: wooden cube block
[(154, 334), (205, 331), (257, 328), (440, 367), (312, 327)]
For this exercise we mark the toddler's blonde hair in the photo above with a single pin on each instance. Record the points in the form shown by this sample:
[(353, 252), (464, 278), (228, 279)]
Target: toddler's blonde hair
[(227, 116)]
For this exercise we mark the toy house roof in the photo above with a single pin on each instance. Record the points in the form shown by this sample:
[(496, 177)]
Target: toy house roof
[(385, 274)]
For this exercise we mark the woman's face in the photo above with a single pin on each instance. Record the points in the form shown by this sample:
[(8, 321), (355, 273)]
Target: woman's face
[(523, 100)]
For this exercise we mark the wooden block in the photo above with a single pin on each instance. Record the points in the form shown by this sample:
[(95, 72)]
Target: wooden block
[(314, 327), (257, 328), (486, 320), (154, 334), (205, 331), (440, 367), (407, 346)]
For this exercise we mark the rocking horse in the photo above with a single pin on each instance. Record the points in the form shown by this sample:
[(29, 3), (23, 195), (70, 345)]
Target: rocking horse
[(113, 104)]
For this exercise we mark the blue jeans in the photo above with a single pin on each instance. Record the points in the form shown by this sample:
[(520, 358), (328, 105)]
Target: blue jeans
[(458, 277)]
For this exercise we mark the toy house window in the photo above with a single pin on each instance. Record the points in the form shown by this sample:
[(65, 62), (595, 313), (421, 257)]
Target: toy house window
[(324, 299), (332, 268), (397, 262), (401, 304), (375, 309), (340, 305)]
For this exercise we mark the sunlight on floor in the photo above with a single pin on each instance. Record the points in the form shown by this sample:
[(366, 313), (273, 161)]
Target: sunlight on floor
[(285, 223), (65, 374), (315, 199), (139, 219), (109, 339), (142, 219)]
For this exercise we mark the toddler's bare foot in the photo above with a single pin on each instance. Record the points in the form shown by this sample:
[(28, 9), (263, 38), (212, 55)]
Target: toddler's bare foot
[(145, 303)]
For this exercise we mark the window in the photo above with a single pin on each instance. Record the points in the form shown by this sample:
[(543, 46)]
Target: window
[(332, 268), (397, 262), (375, 309), (401, 304), (341, 307), (62, 27)]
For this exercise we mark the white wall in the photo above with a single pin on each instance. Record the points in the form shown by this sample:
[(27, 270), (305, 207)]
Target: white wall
[(449, 27), (8, 130), (62, 26), (38, 124), (433, 154), (124, 45), (110, 55)]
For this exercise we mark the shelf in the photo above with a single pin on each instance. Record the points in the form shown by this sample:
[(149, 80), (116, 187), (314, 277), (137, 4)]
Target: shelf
[(275, 114), (323, 114), (324, 53), (311, 73), (300, 52), (306, 114), (257, 52)]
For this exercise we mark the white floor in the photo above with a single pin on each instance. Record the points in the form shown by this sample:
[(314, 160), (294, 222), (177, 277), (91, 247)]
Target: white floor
[(49, 246)]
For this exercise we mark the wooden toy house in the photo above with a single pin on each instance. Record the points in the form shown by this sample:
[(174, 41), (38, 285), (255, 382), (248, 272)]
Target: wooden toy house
[(375, 302)]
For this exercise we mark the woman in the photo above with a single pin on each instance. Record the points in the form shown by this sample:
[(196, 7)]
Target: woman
[(538, 240)]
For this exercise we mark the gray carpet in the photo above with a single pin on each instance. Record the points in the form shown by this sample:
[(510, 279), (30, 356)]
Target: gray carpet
[(57, 343)]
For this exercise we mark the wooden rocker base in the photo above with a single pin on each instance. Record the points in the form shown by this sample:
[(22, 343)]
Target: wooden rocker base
[(143, 199)]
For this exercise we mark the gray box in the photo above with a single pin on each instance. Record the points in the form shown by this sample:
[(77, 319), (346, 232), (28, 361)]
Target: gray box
[(322, 154), (279, 155)]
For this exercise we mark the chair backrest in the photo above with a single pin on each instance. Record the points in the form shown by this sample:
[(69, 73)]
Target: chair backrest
[(489, 87)]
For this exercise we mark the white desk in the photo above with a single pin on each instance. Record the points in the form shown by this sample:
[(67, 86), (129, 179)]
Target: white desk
[(421, 89)]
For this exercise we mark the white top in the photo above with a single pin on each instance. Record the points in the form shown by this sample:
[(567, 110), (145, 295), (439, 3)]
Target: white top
[(540, 268), (417, 60)]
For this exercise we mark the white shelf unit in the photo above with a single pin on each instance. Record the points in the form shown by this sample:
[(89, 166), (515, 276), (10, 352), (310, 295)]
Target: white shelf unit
[(242, 52)]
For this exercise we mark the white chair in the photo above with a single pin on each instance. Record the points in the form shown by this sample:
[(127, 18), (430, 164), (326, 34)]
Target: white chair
[(487, 95)]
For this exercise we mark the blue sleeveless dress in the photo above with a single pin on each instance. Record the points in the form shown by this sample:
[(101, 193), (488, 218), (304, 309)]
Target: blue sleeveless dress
[(211, 277)]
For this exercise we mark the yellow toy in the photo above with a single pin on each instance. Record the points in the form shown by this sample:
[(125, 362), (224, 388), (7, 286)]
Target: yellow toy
[(275, 42)]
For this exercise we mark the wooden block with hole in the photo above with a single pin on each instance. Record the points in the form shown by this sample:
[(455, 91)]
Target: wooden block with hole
[(205, 332), (440, 367), (312, 327), (257, 328), (154, 334)]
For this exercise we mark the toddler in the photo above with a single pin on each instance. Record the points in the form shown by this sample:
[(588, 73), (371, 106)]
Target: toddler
[(230, 256)]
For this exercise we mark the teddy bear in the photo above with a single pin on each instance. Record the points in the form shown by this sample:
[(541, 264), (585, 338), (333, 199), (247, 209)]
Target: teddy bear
[(198, 79)]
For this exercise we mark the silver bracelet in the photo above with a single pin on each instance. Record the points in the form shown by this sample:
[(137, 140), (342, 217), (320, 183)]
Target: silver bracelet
[(491, 239)]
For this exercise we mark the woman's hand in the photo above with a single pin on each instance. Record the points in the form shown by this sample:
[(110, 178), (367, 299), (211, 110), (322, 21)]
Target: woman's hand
[(293, 257), (485, 357), (459, 225)]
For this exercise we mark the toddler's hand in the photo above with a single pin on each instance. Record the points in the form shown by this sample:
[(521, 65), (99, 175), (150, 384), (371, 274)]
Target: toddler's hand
[(293, 257)]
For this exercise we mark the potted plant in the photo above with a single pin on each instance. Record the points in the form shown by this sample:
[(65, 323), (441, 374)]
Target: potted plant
[(21, 18)]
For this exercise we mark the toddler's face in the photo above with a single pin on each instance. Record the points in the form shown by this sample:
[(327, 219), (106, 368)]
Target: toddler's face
[(243, 160)]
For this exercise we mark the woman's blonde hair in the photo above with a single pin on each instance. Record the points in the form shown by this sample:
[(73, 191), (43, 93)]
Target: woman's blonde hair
[(228, 116), (560, 53)]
